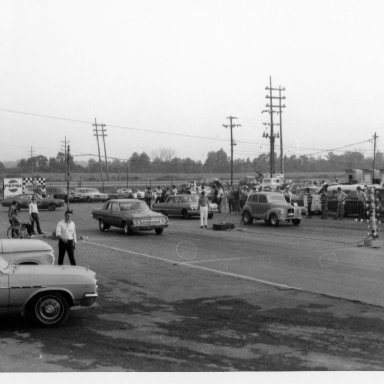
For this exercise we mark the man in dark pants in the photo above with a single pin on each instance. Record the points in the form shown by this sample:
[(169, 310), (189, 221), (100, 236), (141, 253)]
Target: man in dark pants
[(34, 215), (66, 233)]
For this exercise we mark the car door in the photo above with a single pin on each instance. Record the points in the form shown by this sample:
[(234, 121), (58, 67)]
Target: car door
[(171, 205), (4, 289), (252, 203), (261, 208)]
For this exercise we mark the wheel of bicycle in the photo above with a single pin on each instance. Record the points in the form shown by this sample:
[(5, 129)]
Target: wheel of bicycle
[(9, 233)]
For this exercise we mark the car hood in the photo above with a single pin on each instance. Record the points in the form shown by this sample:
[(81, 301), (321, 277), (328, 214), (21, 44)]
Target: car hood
[(148, 215), (54, 274), (24, 245)]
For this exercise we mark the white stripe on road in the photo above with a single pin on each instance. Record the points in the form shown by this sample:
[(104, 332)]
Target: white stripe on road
[(188, 264)]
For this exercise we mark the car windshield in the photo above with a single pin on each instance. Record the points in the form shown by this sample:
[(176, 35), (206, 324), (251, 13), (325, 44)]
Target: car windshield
[(93, 190), (134, 206), (276, 198), (189, 199)]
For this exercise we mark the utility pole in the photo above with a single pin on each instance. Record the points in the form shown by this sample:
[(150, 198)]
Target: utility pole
[(64, 149), (231, 126), (374, 157), (68, 175), (32, 161), (272, 135), (98, 148), (105, 150)]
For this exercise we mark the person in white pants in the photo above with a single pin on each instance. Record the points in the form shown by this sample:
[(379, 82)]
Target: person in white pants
[(203, 206)]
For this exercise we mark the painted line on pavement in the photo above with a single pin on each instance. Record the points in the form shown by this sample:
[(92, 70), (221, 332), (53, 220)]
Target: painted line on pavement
[(210, 261), (189, 265)]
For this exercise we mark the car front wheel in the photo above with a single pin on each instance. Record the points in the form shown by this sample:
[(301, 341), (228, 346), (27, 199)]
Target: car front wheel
[(159, 231), (51, 207), (296, 221), (185, 214), (102, 226), (50, 309), (126, 229), (274, 220), (247, 218)]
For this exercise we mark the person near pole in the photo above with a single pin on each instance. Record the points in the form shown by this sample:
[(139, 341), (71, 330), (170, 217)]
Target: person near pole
[(361, 203), (309, 202), (203, 206), (324, 202), (66, 233), (341, 196), (34, 216)]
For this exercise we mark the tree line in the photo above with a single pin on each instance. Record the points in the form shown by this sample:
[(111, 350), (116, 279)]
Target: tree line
[(216, 161)]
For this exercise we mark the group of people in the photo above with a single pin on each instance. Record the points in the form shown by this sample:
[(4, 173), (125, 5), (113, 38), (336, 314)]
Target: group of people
[(65, 229)]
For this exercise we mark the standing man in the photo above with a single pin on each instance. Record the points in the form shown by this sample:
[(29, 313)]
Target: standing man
[(34, 216), (309, 202), (324, 202), (341, 196), (66, 233), (360, 203), (203, 205)]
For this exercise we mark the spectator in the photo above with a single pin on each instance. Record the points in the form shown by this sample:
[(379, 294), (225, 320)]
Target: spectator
[(34, 216), (324, 202), (66, 233), (203, 206), (309, 202), (341, 196), (361, 203)]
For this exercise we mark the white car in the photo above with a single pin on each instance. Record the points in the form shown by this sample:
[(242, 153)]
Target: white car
[(26, 251), (45, 292), (89, 194)]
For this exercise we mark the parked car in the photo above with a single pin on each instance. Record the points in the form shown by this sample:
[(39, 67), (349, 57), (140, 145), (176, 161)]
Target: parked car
[(42, 202), (131, 215), (183, 205), (351, 204), (301, 199), (270, 207), (61, 193), (138, 193), (122, 193), (26, 251), (45, 292), (89, 194), (271, 183)]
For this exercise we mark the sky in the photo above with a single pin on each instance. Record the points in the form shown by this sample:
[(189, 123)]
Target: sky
[(167, 74)]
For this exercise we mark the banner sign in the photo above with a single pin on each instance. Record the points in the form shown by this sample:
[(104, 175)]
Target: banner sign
[(13, 187)]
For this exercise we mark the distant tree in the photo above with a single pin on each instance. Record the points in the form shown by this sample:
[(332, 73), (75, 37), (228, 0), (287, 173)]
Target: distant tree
[(217, 161)]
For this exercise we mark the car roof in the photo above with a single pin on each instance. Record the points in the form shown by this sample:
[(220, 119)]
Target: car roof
[(123, 200)]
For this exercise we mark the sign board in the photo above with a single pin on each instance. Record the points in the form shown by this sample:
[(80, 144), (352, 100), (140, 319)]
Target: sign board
[(26, 185), (13, 187)]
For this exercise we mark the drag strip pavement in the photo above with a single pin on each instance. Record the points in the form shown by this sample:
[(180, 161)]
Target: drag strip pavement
[(338, 272)]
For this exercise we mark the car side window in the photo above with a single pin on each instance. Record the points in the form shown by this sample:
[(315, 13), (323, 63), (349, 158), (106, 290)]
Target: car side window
[(115, 207), (254, 198), (171, 200), (262, 199)]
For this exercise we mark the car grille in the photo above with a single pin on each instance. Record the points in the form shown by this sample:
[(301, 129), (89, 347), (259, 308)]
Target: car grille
[(290, 211)]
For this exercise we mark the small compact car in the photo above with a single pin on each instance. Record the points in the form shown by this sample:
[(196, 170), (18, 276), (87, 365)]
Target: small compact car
[(42, 202), (45, 293), (131, 215), (184, 205), (26, 251), (270, 207)]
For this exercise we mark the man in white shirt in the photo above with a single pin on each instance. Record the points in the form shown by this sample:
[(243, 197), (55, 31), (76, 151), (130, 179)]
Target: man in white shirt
[(34, 216), (66, 233)]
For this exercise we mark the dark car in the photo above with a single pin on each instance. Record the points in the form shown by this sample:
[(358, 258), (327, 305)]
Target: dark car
[(270, 207), (185, 205), (61, 193), (42, 202), (131, 215), (351, 202)]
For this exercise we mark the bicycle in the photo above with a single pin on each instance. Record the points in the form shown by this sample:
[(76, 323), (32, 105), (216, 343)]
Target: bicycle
[(18, 231)]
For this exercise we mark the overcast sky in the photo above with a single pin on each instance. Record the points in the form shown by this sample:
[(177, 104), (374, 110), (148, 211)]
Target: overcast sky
[(166, 74)]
